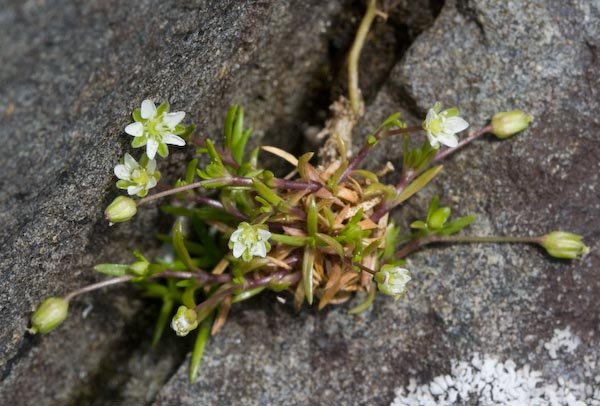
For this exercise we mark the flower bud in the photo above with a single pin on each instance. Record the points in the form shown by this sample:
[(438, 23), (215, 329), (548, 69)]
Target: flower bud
[(561, 244), (439, 218), (120, 210), (509, 123), (49, 315), (392, 280), (139, 268), (184, 321)]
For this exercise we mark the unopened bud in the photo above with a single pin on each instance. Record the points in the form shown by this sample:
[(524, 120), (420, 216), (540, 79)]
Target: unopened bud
[(120, 210), (509, 123), (49, 315), (439, 218), (561, 244), (184, 321), (140, 268)]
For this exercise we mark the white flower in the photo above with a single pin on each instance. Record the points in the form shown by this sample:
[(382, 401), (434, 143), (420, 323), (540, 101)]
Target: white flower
[(155, 128), (184, 321), (249, 241), (392, 280), (135, 177), (442, 126)]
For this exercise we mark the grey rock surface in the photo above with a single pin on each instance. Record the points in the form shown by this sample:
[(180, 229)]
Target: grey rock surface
[(503, 300), (71, 73)]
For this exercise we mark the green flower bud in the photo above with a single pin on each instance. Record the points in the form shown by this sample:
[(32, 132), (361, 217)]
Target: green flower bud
[(561, 244), (49, 315), (120, 210), (392, 280), (439, 218), (184, 321), (140, 268), (509, 123)]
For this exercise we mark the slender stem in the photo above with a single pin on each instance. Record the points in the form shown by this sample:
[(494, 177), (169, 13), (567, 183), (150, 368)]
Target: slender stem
[(410, 175), (485, 239), (231, 181), (99, 285), (359, 41), (364, 151), (295, 185), (417, 244), (443, 154), (204, 277)]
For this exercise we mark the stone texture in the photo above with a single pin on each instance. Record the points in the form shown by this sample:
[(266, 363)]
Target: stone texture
[(71, 74), (484, 57), (66, 88)]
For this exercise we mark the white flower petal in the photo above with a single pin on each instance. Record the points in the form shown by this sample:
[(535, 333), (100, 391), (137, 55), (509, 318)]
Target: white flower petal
[(235, 236), (122, 172), (449, 140), (173, 139), (148, 109), (454, 125), (151, 167), (259, 250), (174, 118), (151, 148), (432, 140), (238, 249), (263, 235), (151, 183), (130, 162), (132, 190), (135, 129), (431, 115)]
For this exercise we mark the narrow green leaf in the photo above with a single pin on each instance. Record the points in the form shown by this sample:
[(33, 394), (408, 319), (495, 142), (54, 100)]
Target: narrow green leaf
[(419, 224), (312, 217), (247, 294), (307, 268), (267, 193), (418, 183), (163, 320), (294, 241), (228, 126), (190, 171), (178, 242), (112, 269), (433, 206), (238, 127), (199, 345), (457, 225), (325, 239), (302, 164), (367, 303)]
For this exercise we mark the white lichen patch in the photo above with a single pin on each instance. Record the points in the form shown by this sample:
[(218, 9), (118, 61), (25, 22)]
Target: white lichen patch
[(485, 380), (563, 340)]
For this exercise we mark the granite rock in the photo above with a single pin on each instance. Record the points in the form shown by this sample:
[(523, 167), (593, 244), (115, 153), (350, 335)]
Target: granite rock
[(485, 57), (73, 71)]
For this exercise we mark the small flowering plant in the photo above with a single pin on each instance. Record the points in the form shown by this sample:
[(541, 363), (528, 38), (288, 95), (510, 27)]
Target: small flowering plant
[(320, 234)]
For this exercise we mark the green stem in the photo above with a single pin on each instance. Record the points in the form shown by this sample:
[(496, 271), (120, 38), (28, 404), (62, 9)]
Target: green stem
[(353, 57), (417, 244), (485, 239)]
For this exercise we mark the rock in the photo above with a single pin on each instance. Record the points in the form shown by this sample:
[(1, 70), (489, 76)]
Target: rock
[(70, 77), (72, 73), (484, 57)]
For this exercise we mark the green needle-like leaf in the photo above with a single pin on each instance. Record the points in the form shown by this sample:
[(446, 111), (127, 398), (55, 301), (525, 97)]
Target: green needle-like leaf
[(312, 217), (112, 269), (307, 268), (199, 345), (163, 320), (178, 241), (418, 183)]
